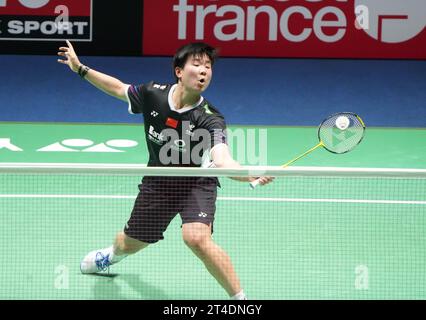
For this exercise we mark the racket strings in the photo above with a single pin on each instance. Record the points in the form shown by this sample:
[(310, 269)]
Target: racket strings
[(341, 140)]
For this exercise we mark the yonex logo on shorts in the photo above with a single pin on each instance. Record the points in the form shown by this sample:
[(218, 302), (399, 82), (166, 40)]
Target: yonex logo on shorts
[(202, 215), (154, 114)]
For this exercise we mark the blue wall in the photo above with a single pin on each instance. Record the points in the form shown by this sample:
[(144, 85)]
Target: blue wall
[(247, 91)]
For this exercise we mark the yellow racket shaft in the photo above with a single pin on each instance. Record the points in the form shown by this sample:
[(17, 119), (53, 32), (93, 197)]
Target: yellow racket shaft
[(254, 183), (321, 144)]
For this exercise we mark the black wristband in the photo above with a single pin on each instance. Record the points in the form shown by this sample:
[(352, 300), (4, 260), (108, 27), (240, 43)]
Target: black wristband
[(83, 70)]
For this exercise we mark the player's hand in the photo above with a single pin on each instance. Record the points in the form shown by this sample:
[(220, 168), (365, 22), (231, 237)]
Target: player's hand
[(70, 56), (264, 180)]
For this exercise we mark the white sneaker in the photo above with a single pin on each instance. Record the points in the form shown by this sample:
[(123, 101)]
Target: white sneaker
[(96, 261)]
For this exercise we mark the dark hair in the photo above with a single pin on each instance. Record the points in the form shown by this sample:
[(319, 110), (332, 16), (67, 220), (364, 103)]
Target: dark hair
[(193, 49)]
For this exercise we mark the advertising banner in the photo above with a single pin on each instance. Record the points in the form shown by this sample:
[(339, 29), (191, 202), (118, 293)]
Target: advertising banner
[(46, 20), (289, 28)]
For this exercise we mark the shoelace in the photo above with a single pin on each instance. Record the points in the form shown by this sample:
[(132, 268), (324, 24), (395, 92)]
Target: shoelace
[(102, 262)]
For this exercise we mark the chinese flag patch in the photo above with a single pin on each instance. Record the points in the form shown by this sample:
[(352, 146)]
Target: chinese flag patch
[(170, 122)]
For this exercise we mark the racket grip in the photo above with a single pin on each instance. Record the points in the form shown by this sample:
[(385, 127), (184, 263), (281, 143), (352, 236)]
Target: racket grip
[(254, 183)]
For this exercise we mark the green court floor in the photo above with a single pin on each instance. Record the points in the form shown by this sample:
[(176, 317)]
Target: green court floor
[(371, 245)]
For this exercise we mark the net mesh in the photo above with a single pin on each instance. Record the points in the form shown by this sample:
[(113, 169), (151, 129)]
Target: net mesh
[(305, 236)]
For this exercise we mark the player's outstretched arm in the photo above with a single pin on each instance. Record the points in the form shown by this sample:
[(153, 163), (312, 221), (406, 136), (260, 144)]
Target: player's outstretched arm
[(104, 82), (222, 158)]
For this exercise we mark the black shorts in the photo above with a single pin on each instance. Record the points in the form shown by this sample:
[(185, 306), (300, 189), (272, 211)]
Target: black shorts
[(161, 198)]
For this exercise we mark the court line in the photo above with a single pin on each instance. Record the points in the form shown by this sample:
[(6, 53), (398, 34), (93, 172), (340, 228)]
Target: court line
[(80, 196)]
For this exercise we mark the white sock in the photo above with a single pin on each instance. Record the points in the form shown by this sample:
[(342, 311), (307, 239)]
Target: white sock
[(113, 257), (239, 296)]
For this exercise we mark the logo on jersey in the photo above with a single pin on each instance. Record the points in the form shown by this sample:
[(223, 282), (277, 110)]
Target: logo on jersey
[(173, 123), (154, 114), (188, 129), (179, 145), (159, 86), (156, 137)]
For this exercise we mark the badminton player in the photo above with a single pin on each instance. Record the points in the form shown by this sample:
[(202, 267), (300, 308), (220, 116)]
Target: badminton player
[(168, 107)]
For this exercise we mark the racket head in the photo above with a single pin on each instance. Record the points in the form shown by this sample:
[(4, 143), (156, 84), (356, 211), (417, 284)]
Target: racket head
[(341, 140)]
